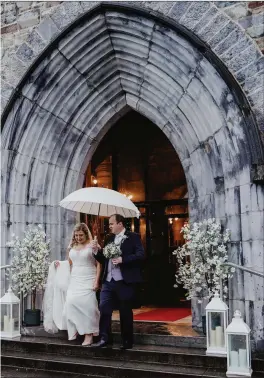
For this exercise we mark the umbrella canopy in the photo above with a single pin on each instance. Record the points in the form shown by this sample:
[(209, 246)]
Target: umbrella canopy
[(100, 201)]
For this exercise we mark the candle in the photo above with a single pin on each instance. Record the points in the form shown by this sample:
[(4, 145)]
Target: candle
[(242, 356), (12, 325), (234, 359), (219, 335), (213, 337), (6, 323)]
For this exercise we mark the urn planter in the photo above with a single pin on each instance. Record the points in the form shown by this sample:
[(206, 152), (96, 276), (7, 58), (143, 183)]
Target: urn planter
[(32, 317)]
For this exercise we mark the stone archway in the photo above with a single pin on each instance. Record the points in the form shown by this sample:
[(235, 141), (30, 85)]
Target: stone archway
[(108, 61)]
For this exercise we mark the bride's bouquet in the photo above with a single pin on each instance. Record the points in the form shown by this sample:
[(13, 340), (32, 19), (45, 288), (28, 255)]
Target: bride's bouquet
[(112, 251)]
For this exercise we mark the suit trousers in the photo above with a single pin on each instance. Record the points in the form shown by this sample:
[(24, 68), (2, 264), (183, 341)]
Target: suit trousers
[(121, 294)]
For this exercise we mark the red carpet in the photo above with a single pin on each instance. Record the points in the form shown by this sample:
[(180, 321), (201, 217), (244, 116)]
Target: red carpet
[(164, 314)]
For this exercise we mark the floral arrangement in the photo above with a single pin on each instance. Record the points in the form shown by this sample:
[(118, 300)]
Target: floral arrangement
[(200, 259), (112, 251), (30, 264)]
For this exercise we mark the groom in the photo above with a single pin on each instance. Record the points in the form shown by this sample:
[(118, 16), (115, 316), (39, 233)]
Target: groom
[(120, 276)]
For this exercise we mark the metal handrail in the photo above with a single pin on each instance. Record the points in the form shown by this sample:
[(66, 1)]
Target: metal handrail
[(248, 270), (5, 266)]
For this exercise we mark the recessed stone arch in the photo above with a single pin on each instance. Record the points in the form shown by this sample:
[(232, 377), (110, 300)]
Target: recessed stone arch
[(110, 60)]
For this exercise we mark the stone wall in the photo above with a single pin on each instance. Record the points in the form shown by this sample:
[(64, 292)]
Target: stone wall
[(74, 95), (249, 15), (27, 27)]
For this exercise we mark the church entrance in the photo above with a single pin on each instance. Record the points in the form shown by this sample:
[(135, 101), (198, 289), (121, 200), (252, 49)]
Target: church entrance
[(137, 159)]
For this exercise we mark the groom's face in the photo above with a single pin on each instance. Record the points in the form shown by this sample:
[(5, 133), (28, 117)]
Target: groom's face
[(115, 227)]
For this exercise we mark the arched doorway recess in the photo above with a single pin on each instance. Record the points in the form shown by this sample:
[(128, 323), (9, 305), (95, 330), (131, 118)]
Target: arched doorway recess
[(137, 159), (109, 61)]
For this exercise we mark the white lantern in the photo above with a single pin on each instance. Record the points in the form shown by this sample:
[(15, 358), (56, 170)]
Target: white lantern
[(10, 315), (238, 348), (216, 323)]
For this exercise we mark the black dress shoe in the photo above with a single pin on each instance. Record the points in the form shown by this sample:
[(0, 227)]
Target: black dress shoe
[(101, 344), (126, 346)]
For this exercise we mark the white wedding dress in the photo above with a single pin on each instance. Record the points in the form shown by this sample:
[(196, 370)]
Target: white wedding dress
[(81, 307), (69, 301)]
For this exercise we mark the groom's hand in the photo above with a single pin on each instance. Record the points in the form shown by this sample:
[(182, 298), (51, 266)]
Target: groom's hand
[(117, 260)]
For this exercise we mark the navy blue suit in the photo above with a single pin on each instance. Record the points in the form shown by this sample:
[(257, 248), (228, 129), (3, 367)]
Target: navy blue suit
[(121, 292)]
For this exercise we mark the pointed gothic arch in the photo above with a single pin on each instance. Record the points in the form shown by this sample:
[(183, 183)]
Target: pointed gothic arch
[(111, 59)]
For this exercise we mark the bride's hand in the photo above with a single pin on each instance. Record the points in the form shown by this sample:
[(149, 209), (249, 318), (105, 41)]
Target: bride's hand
[(56, 263), (96, 286)]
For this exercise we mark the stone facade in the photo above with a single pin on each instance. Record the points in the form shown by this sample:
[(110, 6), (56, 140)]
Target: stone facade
[(206, 95)]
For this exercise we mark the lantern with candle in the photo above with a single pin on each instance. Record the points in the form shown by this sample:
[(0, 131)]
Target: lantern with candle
[(238, 348), (216, 323), (10, 315)]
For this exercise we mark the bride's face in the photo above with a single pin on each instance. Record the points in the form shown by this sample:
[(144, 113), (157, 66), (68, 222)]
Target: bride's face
[(80, 237)]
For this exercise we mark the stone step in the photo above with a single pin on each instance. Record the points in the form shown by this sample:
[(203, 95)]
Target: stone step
[(162, 334), (18, 372), (140, 353), (165, 356), (95, 367)]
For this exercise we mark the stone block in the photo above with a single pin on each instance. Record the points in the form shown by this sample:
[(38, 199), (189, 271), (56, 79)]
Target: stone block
[(10, 6), (236, 37), (237, 11), (206, 19), (47, 29), (9, 28), (256, 98), (194, 14), (251, 20), (10, 18), (258, 10), (28, 19), (50, 4), (6, 89), (250, 70), (220, 205), (162, 7), (245, 198), (87, 5), (179, 9), (223, 33), (25, 53), (260, 43), (254, 83), (12, 68), (224, 4), (246, 57), (255, 4), (232, 201), (256, 30), (252, 225), (23, 5), (4, 102), (235, 50), (65, 13), (257, 197), (236, 288), (234, 225), (35, 41)]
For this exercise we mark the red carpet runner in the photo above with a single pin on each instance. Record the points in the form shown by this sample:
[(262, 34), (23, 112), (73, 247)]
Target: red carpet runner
[(164, 314)]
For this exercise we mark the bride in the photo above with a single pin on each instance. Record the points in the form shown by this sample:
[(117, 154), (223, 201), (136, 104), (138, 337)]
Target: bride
[(80, 313)]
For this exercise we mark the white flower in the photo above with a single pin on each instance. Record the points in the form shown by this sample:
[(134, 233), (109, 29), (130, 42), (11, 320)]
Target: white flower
[(111, 251), (29, 266), (207, 247)]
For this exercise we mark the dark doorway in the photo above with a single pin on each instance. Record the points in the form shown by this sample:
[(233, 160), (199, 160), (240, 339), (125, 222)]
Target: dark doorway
[(137, 159)]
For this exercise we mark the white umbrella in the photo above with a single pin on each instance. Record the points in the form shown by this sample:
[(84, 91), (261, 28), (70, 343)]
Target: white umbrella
[(100, 201)]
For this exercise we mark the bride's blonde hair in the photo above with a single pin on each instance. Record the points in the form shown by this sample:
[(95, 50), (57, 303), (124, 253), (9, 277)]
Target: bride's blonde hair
[(80, 227)]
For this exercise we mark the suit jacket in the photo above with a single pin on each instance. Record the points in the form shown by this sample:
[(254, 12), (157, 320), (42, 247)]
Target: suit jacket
[(132, 257)]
